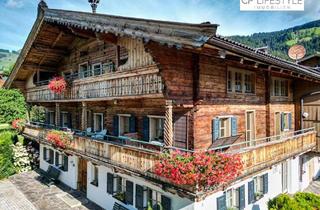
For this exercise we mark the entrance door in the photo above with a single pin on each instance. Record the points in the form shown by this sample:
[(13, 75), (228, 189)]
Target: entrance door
[(82, 175), (278, 124), (250, 128), (311, 169)]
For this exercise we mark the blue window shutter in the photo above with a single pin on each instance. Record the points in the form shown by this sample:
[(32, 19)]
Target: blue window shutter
[(129, 192), (139, 197), (45, 153), (165, 202), (290, 120), (251, 192), (69, 120), (61, 117), (234, 126), (110, 183), (132, 126), (265, 183), (282, 121), (215, 128), (145, 127), (116, 125), (242, 197), (221, 203), (65, 162), (57, 159)]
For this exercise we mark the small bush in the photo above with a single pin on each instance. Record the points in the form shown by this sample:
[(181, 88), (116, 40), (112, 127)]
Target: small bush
[(37, 114), (300, 201), (12, 105), (6, 154)]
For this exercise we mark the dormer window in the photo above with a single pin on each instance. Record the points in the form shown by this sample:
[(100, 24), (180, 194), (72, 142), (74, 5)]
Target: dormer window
[(240, 81)]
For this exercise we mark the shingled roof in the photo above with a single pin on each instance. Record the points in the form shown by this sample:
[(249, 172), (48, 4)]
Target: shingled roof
[(177, 34), (260, 56)]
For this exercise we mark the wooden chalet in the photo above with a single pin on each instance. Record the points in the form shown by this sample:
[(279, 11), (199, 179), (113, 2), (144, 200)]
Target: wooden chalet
[(138, 87)]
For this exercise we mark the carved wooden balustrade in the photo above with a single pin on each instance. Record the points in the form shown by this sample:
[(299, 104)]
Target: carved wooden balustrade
[(141, 157), (113, 85)]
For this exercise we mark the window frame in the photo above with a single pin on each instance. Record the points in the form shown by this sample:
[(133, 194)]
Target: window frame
[(122, 126), (84, 75), (100, 68), (94, 175), (151, 132), (227, 128), (64, 113), (94, 121), (286, 121), (277, 87), (231, 85)]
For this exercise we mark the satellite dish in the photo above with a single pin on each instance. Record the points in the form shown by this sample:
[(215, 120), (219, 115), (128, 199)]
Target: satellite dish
[(296, 52)]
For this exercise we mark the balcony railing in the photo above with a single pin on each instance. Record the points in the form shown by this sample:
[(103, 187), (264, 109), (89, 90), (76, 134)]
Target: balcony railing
[(140, 156), (142, 84)]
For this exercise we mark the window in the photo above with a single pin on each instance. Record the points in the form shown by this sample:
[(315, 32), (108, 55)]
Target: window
[(97, 69), (225, 127), (48, 155), (286, 120), (98, 122), (51, 120), (64, 120), (84, 70), (95, 175), (124, 124), (156, 128), (280, 87), (240, 81), (259, 187), (235, 198)]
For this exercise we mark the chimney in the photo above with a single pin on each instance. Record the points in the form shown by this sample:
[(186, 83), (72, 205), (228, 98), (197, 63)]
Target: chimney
[(94, 4)]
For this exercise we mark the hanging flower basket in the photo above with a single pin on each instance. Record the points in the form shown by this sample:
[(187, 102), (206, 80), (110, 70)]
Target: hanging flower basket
[(201, 169), (57, 85), (18, 124), (59, 139)]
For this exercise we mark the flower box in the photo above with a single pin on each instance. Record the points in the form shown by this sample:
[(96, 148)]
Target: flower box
[(59, 139), (57, 85)]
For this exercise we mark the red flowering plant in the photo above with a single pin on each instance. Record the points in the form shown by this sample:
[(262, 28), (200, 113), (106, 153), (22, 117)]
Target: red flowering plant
[(59, 139), (203, 170), (57, 85), (18, 124)]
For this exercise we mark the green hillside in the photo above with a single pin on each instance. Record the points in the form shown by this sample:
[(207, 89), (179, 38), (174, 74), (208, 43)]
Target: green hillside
[(279, 42), (7, 60)]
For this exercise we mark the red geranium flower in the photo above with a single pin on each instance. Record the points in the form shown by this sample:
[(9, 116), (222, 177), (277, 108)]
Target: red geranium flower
[(57, 85)]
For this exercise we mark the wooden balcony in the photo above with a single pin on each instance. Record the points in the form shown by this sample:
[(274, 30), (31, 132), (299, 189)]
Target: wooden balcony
[(140, 83), (140, 157)]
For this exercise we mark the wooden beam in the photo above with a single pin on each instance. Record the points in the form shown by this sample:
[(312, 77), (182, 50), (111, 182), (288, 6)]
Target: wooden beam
[(35, 67), (82, 33), (57, 39), (48, 50), (110, 38)]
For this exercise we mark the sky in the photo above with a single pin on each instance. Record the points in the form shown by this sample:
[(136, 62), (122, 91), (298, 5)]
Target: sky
[(18, 16)]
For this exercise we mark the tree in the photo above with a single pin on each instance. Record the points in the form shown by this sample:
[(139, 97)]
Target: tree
[(12, 105)]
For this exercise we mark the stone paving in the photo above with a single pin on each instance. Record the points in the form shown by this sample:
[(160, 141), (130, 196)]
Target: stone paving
[(25, 191), (314, 187)]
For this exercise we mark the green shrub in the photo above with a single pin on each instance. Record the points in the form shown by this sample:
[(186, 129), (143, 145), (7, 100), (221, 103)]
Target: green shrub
[(300, 201), (12, 105), (6, 154), (37, 114)]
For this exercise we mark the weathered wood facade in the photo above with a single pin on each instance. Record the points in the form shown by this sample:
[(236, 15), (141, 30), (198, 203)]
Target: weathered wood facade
[(163, 84)]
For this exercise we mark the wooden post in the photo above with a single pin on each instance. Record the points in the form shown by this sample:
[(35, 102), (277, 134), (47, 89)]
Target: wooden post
[(84, 117), (168, 125), (57, 115)]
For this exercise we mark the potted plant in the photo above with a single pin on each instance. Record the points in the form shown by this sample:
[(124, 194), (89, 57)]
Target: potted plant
[(59, 139), (258, 195), (57, 85), (121, 196), (18, 124), (204, 169)]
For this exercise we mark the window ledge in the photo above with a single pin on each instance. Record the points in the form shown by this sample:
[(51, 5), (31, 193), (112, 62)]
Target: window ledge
[(94, 183)]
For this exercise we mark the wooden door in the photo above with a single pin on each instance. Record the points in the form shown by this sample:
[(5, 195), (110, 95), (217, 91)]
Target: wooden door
[(82, 175), (311, 169), (278, 124), (250, 128)]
